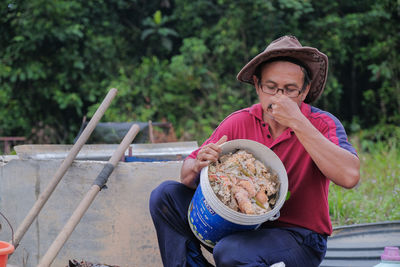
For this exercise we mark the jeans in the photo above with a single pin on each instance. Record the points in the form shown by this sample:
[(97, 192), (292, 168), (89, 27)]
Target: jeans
[(169, 204)]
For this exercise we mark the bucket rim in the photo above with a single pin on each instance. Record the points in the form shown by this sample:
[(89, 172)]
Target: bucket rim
[(227, 213), (8, 249)]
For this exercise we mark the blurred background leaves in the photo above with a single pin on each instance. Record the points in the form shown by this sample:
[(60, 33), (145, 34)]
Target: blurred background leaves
[(178, 60)]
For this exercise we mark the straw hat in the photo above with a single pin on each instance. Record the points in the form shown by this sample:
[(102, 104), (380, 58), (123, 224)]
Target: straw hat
[(314, 61)]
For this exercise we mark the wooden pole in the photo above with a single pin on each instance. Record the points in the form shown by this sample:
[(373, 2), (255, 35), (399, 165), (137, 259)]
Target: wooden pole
[(77, 215), (44, 196)]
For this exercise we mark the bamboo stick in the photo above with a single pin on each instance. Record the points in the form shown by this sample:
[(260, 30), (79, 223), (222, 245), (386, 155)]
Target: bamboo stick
[(44, 196), (77, 215)]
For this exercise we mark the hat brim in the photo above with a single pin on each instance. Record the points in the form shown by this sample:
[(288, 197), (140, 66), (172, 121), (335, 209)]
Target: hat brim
[(315, 62)]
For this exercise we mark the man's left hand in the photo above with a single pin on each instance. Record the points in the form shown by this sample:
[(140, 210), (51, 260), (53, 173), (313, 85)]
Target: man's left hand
[(284, 110)]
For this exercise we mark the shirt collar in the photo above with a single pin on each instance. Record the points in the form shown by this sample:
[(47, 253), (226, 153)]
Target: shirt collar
[(256, 111), (305, 109)]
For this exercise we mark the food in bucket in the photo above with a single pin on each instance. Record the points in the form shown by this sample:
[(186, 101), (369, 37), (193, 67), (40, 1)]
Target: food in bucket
[(244, 183)]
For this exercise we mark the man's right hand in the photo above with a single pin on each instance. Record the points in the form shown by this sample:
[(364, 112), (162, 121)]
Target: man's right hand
[(209, 153), (191, 167)]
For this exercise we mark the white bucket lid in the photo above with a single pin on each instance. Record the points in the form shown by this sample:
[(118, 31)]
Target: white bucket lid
[(269, 159)]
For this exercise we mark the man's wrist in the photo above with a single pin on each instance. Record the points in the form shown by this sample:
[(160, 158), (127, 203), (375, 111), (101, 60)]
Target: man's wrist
[(299, 123)]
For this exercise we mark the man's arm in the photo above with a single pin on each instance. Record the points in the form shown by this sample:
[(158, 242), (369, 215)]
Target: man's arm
[(191, 168), (336, 163)]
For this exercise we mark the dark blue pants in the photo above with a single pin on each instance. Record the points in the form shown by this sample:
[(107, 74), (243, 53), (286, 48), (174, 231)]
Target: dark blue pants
[(169, 204)]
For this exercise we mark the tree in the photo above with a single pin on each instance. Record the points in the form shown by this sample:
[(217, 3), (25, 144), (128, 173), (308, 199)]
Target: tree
[(178, 60), (56, 58), (157, 31)]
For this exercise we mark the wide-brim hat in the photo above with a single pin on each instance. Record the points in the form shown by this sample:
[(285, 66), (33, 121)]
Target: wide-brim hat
[(313, 60)]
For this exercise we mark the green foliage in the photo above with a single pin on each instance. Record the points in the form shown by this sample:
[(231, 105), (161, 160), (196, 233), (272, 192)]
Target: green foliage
[(54, 58), (377, 195), (362, 45), (178, 60), (169, 90), (156, 31), (382, 134)]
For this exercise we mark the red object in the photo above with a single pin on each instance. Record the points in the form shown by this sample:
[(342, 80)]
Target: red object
[(307, 206), (5, 250)]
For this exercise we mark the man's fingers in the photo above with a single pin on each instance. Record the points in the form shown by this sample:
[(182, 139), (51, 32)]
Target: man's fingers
[(201, 164), (210, 155), (222, 140), (207, 153), (210, 152)]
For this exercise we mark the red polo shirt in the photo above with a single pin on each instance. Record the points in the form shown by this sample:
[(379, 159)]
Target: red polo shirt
[(308, 203)]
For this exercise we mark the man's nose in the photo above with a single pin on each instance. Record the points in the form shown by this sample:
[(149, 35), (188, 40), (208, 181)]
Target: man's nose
[(280, 89)]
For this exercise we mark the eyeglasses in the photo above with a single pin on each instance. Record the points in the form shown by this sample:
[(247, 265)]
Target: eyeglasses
[(273, 90)]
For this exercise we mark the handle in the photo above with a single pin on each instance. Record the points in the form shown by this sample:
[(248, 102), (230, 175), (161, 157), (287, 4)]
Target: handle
[(44, 196), (276, 216), (12, 230), (77, 215)]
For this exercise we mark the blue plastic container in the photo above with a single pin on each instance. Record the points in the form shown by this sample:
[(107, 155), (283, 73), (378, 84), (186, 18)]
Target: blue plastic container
[(142, 159), (207, 225), (211, 220)]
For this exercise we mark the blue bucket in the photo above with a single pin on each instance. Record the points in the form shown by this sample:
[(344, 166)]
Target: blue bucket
[(211, 220)]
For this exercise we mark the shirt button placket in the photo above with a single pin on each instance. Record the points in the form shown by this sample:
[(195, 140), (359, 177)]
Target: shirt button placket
[(267, 131)]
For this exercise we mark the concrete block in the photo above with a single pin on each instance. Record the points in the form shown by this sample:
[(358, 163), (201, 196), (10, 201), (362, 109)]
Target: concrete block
[(116, 229)]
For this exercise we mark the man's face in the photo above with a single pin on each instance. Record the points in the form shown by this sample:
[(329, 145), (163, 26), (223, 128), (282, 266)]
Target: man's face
[(280, 74)]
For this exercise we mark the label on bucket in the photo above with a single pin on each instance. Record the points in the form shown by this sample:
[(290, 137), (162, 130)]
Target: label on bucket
[(206, 224)]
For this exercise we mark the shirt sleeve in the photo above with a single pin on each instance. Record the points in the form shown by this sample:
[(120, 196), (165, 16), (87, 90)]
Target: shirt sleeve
[(333, 129)]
